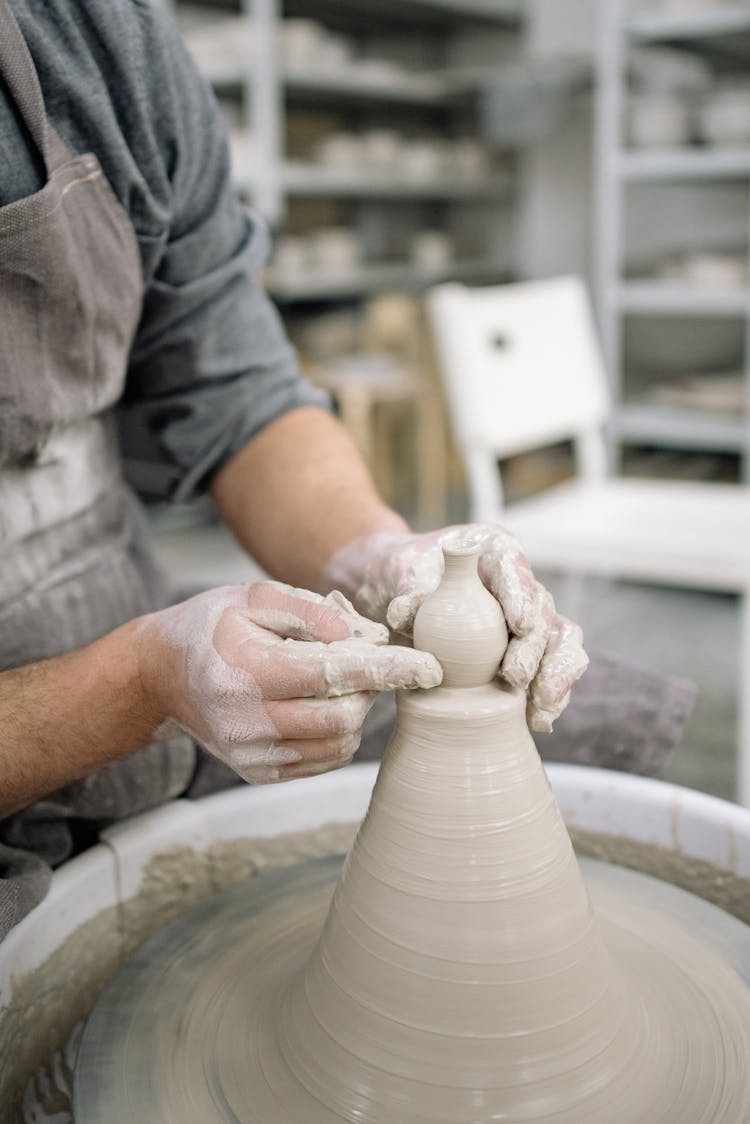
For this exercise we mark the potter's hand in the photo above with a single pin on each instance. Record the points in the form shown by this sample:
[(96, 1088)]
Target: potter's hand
[(545, 655), (274, 681)]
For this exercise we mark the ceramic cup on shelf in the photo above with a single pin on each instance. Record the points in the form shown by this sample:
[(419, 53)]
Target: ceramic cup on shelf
[(468, 157), (678, 6), (382, 149), (658, 121), (422, 160), (300, 41), (291, 255), (432, 251), (334, 249), (342, 151), (723, 116), (335, 52), (721, 269)]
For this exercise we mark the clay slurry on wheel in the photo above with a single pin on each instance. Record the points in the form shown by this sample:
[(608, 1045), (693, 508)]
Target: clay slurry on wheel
[(464, 968)]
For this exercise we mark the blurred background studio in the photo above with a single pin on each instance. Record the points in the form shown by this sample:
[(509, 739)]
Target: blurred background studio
[(549, 193)]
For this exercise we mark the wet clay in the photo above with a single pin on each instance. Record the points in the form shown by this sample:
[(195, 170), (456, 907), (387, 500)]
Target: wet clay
[(461, 974), (38, 1029), (723, 888)]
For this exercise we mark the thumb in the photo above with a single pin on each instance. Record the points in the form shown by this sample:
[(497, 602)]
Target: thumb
[(402, 611), (299, 614)]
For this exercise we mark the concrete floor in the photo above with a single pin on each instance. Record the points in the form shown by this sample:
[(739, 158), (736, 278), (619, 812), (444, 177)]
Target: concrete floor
[(684, 633)]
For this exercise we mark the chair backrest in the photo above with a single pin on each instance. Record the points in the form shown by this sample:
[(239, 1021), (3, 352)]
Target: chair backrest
[(522, 369)]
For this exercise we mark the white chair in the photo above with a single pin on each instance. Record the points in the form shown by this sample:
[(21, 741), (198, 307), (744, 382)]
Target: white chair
[(522, 370)]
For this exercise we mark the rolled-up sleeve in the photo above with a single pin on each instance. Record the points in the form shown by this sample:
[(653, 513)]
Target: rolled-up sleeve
[(211, 364)]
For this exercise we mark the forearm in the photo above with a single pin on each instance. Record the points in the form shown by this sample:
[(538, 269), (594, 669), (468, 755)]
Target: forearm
[(297, 493), (66, 717)]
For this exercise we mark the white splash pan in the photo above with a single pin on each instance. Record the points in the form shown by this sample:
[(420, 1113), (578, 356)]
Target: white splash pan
[(646, 811)]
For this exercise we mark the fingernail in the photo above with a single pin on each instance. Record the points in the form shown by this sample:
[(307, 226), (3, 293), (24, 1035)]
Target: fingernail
[(540, 721), (261, 774), (427, 672), (516, 677)]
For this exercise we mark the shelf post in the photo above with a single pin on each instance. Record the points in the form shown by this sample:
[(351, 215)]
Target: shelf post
[(608, 194), (264, 94)]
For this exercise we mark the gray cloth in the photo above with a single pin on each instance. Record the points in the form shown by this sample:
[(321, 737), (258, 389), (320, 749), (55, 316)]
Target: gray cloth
[(210, 363), (623, 715)]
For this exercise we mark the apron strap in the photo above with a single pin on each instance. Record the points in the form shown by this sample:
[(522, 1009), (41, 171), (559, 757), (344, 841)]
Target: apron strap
[(18, 70)]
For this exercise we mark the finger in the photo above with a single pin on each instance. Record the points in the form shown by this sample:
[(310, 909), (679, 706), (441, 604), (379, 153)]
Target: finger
[(422, 571), (260, 763), (312, 752), (303, 615), (284, 760), (259, 774), (564, 662), (315, 769), (268, 775), (402, 611), (315, 719), (296, 669), (541, 719), (525, 654), (522, 658), (505, 570)]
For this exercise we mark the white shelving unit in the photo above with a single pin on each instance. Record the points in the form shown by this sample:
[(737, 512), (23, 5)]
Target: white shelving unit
[(374, 279), (618, 168), (273, 181), (312, 181)]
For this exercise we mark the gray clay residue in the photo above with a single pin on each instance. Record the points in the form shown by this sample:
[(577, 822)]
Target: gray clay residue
[(51, 1003)]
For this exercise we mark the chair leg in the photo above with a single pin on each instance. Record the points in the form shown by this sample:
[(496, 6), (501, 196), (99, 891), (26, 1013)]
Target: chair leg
[(743, 704)]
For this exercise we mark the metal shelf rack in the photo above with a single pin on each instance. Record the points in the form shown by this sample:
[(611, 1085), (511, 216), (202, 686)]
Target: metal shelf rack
[(270, 180), (617, 168)]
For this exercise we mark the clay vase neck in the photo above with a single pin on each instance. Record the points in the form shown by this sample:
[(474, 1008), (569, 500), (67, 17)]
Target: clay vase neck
[(461, 623)]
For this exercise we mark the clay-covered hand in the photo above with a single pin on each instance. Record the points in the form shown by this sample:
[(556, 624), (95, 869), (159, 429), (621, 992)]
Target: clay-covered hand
[(545, 655), (274, 681)]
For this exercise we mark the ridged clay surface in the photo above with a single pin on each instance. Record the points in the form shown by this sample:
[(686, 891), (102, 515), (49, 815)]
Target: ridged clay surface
[(461, 974)]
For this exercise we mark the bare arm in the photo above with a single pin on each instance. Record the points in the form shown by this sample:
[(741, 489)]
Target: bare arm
[(292, 496), (297, 493), (66, 717)]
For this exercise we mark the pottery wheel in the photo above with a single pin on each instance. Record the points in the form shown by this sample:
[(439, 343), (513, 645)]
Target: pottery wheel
[(193, 1027), (453, 970)]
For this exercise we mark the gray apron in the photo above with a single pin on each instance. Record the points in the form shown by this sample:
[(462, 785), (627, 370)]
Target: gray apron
[(74, 557)]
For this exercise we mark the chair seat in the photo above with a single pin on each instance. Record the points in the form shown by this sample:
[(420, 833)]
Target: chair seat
[(671, 532)]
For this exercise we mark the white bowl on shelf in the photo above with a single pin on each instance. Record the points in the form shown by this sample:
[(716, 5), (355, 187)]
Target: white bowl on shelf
[(382, 149), (707, 268), (696, 5), (722, 393), (658, 121), (379, 71), (723, 116), (299, 41), (468, 157), (334, 249), (291, 255), (223, 40), (422, 160), (668, 70), (432, 251), (334, 52), (342, 151)]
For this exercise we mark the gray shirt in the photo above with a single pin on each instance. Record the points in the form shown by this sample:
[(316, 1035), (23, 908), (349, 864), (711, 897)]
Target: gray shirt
[(210, 364)]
